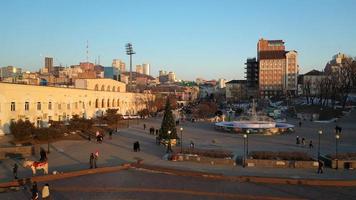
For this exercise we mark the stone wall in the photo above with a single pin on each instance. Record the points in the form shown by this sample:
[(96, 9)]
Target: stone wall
[(281, 163), (203, 159)]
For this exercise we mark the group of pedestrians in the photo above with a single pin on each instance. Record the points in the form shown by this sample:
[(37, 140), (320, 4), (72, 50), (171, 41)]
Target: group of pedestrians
[(302, 142), (35, 193)]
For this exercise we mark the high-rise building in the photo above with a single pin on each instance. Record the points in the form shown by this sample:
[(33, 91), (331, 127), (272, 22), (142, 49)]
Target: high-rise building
[(278, 69), (252, 72), (139, 69), (119, 64), (146, 69), (10, 72), (336, 62), (49, 64), (171, 77)]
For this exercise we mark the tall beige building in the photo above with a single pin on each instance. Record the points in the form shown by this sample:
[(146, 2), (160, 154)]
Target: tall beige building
[(146, 69), (139, 69), (119, 64), (278, 69)]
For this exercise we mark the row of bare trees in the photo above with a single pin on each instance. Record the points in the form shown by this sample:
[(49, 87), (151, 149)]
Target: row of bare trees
[(334, 86)]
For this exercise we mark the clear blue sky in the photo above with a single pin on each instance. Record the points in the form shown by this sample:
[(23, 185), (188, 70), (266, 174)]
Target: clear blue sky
[(208, 39)]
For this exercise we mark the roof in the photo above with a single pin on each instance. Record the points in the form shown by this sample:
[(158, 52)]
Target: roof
[(314, 73), (272, 55), (237, 81)]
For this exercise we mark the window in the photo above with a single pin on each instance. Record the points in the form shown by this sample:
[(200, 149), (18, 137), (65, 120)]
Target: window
[(38, 105), (68, 106), (97, 103), (49, 105), (27, 106), (96, 87), (59, 107), (103, 88), (13, 106), (102, 103), (108, 103), (76, 105)]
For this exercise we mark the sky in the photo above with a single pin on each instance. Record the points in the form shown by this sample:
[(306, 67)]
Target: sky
[(210, 39)]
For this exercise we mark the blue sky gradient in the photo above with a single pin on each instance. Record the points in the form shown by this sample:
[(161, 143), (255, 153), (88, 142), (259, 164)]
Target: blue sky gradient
[(209, 39)]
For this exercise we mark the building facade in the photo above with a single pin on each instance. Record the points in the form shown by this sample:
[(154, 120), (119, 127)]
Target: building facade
[(236, 90), (146, 69), (278, 69), (40, 104), (49, 64), (312, 81)]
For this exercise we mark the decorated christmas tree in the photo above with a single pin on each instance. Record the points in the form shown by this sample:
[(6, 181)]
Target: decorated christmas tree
[(168, 123)]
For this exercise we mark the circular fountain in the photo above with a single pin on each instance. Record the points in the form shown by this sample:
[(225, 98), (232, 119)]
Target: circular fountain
[(255, 123)]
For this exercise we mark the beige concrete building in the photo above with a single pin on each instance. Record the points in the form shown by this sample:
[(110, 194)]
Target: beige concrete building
[(40, 104)]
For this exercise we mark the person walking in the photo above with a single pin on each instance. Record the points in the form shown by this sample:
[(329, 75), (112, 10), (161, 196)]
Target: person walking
[(320, 167), (45, 192), (34, 191), (110, 134), (14, 170), (43, 155), (91, 160), (191, 144), (144, 126), (303, 142), (300, 123), (311, 144), (96, 157), (297, 140)]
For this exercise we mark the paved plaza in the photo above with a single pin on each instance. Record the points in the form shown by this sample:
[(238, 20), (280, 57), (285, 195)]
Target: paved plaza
[(133, 184), (68, 156)]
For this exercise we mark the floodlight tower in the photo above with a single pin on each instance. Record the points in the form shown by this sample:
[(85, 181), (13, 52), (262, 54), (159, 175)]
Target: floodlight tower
[(130, 52)]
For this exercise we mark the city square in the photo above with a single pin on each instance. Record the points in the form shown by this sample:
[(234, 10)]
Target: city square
[(226, 99)]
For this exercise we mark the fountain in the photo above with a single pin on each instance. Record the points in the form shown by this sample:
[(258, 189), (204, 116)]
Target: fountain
[(255, 123)]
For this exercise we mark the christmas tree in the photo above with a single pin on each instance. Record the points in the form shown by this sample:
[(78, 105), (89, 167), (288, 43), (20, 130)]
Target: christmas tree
[(168, 123)]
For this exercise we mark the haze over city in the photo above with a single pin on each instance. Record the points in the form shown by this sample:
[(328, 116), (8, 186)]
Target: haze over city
[(208, 39)]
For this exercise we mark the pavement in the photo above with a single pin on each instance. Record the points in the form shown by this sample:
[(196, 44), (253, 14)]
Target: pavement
[(137, 184), (68, 156)]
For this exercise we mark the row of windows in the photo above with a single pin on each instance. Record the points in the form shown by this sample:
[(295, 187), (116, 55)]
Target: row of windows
[(108, 103), (108, 88)]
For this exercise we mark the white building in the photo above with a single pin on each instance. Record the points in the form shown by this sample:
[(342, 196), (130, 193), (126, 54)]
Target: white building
[(146, 69)]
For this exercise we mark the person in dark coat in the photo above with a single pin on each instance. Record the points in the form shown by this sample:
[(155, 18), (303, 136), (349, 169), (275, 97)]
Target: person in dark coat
[(110, 134), (14, 170), (311, 144), (91, 160), (300, 123), (144, 126), (43, 155), (297, 140), (34, 191), (320, 167)]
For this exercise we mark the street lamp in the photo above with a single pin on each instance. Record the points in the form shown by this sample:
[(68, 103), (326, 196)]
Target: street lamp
[(130, 52), (169, 142), (244, 154), (48, 139), (247, 133), (181, 139), (337, 137), (320, 133)]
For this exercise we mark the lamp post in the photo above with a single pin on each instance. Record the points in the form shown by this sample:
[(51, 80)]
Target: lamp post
[(169, 142), (244, 154), (181, 139), (48, 139), (130, 52), (247, 133), (337, 137), (320, 133)]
